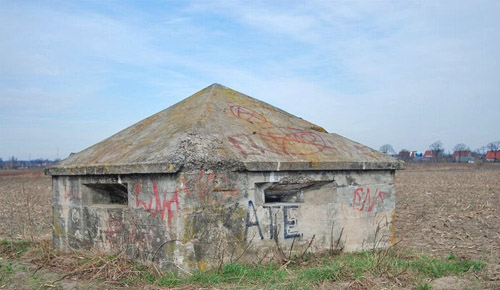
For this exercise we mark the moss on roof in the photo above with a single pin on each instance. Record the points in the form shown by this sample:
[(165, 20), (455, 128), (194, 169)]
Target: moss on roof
[(221, 128)]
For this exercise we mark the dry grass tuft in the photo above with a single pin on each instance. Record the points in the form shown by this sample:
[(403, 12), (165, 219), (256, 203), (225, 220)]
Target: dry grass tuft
[(80, 265)]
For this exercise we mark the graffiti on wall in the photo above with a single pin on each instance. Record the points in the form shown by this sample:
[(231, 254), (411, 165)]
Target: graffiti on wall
[(366, 199), (114, 229), (207, 187), (159, 204), (247, 115), (211, 187), (289, 224), (275, 139), (117, 232)]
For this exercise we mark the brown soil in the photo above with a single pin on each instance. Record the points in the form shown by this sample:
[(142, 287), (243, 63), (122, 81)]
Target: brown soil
[(25, 204), (444, 209), (441, 209)]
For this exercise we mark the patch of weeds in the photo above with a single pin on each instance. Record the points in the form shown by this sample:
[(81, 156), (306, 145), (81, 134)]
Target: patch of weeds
[(317, 275), (8, 272), (207, 278), (296, 274), (105, 260), (435, 268), (233, 269), (82, 259), (355, 266), (35, 282), (424, 286), (14, 249), (148, 277), (129, 281), (359, 263), (141, 268), (8, 269), (296, 284), (238, 273), (169, 279), (270, 273), (5, 272), (229, 273)]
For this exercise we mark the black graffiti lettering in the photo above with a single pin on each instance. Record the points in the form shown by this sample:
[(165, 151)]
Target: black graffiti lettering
[(271, 220), (289, 225), (252, 224)]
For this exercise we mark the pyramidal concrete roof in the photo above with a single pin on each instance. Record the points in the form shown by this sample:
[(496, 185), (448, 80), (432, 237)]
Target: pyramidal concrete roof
[(219, 128)]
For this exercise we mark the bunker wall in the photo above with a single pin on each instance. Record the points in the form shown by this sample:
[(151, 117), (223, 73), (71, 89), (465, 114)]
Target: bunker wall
[(200, 219)]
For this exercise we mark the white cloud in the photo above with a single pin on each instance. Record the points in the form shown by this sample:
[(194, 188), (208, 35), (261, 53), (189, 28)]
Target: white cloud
[(406, 73)]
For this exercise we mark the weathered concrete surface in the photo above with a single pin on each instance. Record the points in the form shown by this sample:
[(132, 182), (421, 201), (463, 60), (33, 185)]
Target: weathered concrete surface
[(219, 127), (198, 220)]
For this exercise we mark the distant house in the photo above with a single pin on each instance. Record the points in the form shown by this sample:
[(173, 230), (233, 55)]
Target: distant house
[(462, 156), (490, 156), (427, 156), (404, 155), (409, 156), (434, 156)]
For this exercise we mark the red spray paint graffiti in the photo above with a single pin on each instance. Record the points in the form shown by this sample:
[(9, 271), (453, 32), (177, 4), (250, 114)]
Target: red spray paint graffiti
[(161, 203), (247, 115), (363, 200), (280, 140), (118, 234), (207, 187), (114, 227)]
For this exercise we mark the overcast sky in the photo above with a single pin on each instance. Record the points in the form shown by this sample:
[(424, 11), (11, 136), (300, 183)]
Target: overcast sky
[(407, 73)]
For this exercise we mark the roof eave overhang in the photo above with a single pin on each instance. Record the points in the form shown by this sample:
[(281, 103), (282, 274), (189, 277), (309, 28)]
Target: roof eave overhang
[(152, 168), (307, 166), (103, 169)]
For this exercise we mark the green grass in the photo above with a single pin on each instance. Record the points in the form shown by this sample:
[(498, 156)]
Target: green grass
[(435, 268), (424, 286), (303, 274), (319, 274), (229, 274), (344, 267), (18, 275), (8, 270), (14, 248)]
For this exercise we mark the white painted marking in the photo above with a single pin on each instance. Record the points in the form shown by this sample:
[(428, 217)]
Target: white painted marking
[(271, 177)]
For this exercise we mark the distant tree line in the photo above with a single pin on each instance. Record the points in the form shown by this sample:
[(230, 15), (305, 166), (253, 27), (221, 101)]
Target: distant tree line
[(436, 153), (14, 163)]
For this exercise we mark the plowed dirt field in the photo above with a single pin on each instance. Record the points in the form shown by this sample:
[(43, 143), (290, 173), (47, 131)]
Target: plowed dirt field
[(440, 209)]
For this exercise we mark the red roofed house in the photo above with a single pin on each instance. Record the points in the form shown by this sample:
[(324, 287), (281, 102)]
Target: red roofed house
[(462, 156), (427, 156), (490, 156)]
